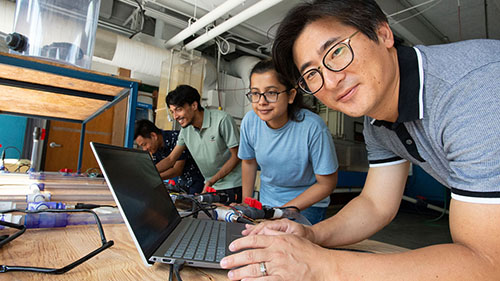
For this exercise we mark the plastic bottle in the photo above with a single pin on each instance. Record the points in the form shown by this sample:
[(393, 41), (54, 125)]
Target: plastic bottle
[(61, 219)]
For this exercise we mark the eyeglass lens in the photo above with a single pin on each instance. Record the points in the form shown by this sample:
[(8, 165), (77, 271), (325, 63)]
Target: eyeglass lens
[(254, 97), (336, 59)]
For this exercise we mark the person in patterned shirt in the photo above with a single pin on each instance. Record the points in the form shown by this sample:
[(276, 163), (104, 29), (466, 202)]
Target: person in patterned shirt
[(160, 144)]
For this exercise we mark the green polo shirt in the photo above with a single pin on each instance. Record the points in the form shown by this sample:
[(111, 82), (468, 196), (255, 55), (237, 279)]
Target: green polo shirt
[(210, 146)]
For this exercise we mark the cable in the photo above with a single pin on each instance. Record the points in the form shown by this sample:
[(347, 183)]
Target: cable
[(445, 198), (290, 207), (219, 48), (175, 268), (142, 11), (85, 206), (92, 172), (2, 157), (410, 8), (416, 14), (18, 169), (242, 217), (205, 210), (105, 244)]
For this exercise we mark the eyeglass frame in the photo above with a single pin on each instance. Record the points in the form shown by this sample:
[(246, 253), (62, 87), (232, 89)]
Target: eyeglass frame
[(346, 42), (264, 95)]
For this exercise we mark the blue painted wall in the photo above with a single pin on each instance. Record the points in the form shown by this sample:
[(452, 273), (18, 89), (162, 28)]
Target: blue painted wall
[(419, 185), (12, 130), (422, 185)]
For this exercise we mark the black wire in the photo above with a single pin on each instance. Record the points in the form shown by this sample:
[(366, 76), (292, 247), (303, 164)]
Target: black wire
[(17, 149), (290, 207), (90, 206), (178, 265), (105, 244), (20, 166), (202, 208), (143, 16)]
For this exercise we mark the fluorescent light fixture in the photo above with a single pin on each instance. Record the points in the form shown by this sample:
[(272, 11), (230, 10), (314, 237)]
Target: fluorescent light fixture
[(203, 21), (232, 22)]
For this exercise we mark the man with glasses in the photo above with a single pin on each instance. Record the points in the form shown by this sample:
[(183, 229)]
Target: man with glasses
[(211, 136), (436, 107)]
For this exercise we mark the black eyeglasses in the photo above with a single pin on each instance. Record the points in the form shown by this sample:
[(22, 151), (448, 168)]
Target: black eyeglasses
[(336, 59), (270, 96)]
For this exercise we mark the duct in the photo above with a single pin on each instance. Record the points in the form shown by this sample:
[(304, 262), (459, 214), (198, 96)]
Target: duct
[(105, 44), (241, 67), (138, 56), (7, 11)]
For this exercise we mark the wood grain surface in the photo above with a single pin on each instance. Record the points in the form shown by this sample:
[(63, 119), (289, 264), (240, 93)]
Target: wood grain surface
[(58, 247)]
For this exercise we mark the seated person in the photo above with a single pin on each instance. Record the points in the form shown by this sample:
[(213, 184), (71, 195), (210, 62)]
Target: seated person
[(291, 144), (160, 143)]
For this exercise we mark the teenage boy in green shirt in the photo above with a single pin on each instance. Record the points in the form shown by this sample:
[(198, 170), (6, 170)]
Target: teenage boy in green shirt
[(211, 136)]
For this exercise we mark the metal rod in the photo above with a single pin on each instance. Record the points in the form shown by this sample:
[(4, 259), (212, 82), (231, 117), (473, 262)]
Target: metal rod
[(80, 150), (486, 19)]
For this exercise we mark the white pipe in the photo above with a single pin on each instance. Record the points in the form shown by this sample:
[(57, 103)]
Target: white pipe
[(203, 21), (232, 22)]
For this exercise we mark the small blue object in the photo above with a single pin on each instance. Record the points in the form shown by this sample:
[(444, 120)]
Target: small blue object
[(33, 206)]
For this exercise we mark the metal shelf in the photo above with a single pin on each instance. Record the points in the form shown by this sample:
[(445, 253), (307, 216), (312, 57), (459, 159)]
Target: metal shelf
[(50, 90)]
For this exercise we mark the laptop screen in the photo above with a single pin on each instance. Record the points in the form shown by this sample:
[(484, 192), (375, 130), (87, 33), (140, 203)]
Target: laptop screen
[(142, 196)]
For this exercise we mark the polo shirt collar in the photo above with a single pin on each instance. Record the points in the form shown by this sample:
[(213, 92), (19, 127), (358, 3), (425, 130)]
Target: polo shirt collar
[(410, 103), (206, 119)]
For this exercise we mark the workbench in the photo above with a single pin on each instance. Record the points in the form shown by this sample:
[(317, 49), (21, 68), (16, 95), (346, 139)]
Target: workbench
[(38, 88), (58, 247)]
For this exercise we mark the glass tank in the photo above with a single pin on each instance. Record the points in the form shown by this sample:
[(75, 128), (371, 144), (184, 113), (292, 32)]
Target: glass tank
[(58, 30)]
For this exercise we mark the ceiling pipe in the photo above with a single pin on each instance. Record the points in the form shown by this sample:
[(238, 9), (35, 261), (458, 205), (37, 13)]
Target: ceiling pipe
[(203, 21), (232, 22)]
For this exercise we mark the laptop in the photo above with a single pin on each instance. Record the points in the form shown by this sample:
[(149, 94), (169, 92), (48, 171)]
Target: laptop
[(158, 231)]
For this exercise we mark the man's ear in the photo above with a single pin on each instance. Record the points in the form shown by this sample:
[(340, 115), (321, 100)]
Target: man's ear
[(385, 35), (153, 136), (194, 105)]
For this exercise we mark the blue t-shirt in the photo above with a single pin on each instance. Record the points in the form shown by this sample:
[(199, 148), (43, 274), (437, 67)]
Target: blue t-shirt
[(190, 174), (289, 157)]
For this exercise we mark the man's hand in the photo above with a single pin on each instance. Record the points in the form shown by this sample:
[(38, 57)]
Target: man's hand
[(285, 257), (280, 227), (208, 184)]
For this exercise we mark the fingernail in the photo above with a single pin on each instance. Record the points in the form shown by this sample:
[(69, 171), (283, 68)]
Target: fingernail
[(231, 247), (223, 262), (230, 274)]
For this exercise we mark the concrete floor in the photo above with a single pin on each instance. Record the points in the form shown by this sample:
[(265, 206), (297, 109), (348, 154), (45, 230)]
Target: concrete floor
[(414, 227)]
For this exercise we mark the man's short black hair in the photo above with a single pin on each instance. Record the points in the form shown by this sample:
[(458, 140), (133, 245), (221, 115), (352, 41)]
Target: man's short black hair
[(183, 94), (365, 15), (144, 128)]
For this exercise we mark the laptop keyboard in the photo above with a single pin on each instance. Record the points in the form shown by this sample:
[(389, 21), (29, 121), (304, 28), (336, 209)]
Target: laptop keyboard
[(204, 240)]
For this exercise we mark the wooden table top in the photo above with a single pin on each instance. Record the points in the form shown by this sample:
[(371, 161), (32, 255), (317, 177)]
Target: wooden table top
[(57, 247)]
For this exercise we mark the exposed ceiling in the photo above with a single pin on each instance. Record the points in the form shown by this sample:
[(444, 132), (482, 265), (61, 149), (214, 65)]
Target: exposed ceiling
[(429, 22)]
